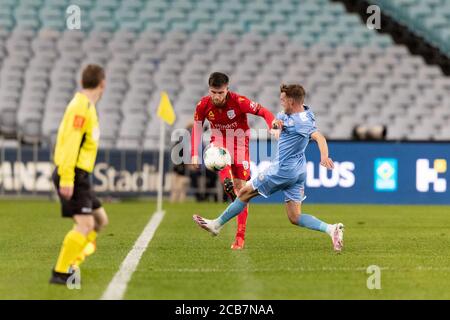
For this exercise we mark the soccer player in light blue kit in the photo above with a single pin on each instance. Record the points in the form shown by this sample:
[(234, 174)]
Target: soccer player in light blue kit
[(295, 126)]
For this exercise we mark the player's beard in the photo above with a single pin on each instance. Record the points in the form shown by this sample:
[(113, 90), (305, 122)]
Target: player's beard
[(219, 104)]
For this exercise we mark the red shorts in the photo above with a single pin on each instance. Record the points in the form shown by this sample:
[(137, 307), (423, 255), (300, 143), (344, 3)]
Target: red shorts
[(237, 171)]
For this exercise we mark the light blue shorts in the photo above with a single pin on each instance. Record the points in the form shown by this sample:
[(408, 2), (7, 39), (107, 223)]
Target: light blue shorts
[(270, 181)]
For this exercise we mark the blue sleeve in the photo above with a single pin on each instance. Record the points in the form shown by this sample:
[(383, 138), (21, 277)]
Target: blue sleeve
[(306, 125), (313, 123)]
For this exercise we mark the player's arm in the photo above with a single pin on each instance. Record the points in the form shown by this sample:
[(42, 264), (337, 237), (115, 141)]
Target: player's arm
[(74, 124), (323, 147), (196, 137), (249, 106)]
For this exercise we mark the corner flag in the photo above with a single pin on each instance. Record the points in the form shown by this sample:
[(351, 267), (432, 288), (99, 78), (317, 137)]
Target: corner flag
[(167, 115), (165, 109)]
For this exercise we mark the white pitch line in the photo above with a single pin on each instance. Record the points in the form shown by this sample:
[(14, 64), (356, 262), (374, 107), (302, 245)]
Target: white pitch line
[(300, 269), (243, 270), (118, 285)]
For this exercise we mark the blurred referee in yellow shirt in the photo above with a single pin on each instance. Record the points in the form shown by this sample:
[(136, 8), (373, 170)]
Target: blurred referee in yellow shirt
[(75, 154)]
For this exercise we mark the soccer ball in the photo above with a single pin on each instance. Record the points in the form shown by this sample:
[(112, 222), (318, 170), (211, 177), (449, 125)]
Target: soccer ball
[(216, 158)]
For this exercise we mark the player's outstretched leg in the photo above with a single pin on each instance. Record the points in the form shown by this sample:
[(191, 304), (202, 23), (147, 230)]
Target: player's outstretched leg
[(335, 231), (213, 226)]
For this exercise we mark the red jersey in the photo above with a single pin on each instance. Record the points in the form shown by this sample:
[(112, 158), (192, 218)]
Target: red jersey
[(229, 125)]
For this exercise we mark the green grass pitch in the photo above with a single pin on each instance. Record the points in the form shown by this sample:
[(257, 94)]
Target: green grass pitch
[(411, 245)]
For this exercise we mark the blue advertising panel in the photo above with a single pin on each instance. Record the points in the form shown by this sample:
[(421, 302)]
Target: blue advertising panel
[(372, 172), (375, 172)]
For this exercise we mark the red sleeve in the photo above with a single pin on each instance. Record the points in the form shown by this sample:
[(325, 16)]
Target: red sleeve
[(249, 106), (197, 129)]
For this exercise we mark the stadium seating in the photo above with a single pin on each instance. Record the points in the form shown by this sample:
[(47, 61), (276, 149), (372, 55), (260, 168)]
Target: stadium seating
[(353, 75), (429, 19)]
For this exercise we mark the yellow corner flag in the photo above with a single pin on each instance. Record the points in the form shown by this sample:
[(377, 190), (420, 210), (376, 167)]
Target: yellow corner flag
[(165, 110)]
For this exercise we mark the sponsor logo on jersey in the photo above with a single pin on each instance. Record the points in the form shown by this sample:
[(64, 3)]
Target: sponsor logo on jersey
[(210, 115), (225, 126)]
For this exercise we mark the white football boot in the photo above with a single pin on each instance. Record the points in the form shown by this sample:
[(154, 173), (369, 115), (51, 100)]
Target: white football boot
[(209, 225), (337, 236)]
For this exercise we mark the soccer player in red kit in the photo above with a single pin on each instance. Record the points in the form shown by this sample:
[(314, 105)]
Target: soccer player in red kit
[(227, 112)]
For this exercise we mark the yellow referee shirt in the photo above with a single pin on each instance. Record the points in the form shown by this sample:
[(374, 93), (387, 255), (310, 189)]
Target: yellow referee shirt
[(77, 141)]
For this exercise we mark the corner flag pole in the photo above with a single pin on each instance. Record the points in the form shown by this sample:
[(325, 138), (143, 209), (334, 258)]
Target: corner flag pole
[(162, 137), (166, 113)]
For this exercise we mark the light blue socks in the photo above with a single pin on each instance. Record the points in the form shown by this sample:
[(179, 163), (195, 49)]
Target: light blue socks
[(231, 211), (311, 222)]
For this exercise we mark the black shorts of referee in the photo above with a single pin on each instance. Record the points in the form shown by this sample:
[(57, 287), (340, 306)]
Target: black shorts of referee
[(83, 200)]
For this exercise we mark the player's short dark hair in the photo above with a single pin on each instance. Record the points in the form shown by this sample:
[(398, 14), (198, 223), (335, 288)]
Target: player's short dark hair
[(91, 76), (294, 91), (218, 79)]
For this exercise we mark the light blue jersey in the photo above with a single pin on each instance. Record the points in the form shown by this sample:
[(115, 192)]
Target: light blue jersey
[(288, 171), (294, 138)]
